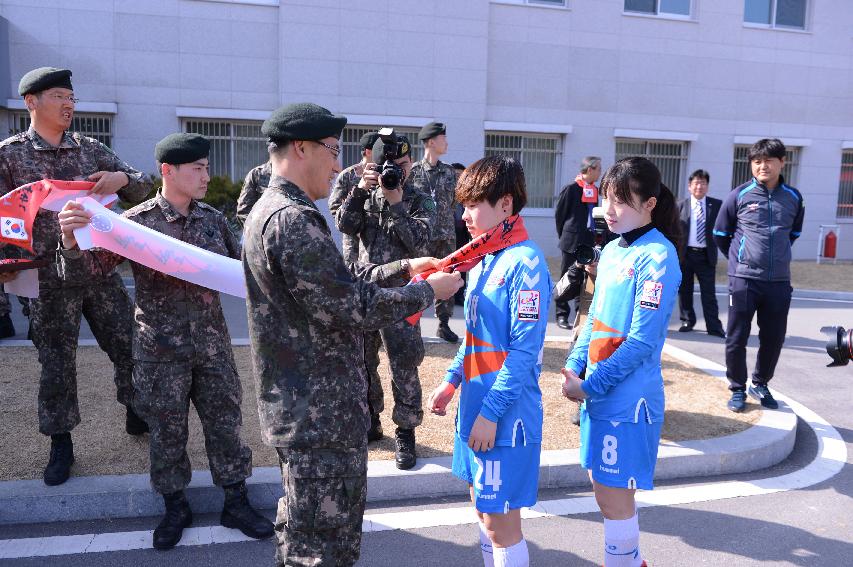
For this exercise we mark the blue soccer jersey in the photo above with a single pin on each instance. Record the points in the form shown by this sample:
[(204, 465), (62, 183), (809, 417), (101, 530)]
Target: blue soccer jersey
[(506, 315), (620, 345)]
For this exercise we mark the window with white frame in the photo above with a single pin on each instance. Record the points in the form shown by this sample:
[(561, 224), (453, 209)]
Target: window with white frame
[(669, 157), (845, 186), (236, 146), (351, 150), (775, 13), (742, 170), (97, 126), (675, 8), (539, 155)]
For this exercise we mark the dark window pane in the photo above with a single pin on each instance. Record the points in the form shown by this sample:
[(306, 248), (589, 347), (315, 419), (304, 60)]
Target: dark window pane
[(845, 186), (756, 11), (791, 13), (645, 6)]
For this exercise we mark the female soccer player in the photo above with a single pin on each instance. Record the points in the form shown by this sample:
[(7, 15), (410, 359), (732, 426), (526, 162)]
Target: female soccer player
[(620, 348), (499, 424)]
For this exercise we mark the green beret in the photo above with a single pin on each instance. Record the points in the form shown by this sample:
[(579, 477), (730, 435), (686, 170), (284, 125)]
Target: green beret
[(432, 130), (366, 142), (403, 148), (44, 78), (302, 121), (176, 149)]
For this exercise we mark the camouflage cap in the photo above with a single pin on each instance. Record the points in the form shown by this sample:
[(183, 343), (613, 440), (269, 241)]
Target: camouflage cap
[(403, 148), (302, 121), (44, 78), (432, 130), (366, 142), (176, 149)]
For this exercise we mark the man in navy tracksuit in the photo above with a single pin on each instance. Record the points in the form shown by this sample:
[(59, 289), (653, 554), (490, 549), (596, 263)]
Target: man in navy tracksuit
[(755, 228)]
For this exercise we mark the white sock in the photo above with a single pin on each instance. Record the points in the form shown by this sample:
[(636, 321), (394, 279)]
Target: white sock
[(512, 556), (622, 543), (486, 547)]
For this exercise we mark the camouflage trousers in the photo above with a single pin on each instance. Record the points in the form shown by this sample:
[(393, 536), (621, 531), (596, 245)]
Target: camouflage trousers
[(5, 306), (163, 391), (439, 249), (55, 327), (318, 523), (405, 349)]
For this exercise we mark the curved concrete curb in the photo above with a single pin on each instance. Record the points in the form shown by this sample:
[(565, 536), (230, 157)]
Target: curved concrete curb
[(87, 498)]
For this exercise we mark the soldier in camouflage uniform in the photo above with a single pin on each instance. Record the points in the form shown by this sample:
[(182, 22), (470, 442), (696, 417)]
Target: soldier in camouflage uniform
[(348, 179), (392, 225), (181, 346), (306, 314), (7, 329), (48, 151), (253, 187), (438, 180)]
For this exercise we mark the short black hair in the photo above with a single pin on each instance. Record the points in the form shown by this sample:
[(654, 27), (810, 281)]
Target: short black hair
[(700, 173), (458, 166), (767, 148)]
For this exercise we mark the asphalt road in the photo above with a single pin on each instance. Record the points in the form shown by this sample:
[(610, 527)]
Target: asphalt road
[(809, 527)]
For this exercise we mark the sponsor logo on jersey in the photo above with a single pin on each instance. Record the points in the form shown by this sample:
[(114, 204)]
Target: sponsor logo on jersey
[(495, 280), (528, 305), (650, 298)]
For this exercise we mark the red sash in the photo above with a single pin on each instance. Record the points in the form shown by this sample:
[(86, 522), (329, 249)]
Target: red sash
[(505, 234)]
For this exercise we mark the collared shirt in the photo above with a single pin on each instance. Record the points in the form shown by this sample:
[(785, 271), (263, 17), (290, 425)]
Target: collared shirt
[(692, 239)]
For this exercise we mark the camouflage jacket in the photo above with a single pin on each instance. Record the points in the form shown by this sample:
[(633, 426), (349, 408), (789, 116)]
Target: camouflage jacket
[(307, 311), (439, 182), (344, 184), (26, 158), (387, 232), (253, 187), (174, 319)]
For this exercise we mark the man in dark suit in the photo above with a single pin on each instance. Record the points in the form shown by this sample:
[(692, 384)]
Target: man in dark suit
[(573, 215), (698, 214)]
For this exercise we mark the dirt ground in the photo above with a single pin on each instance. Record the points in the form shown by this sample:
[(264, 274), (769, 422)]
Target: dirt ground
[(695, 410)]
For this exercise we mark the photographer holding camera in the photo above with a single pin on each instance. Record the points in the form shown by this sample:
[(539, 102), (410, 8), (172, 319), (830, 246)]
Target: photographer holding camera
[(391, 221)]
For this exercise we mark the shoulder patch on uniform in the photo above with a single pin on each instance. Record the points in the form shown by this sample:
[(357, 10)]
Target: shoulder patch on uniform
[(650, 297), (528, 305)]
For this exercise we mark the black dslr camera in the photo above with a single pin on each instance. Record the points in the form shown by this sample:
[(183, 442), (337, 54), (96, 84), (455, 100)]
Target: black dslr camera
[(839, 347), (390, 174)]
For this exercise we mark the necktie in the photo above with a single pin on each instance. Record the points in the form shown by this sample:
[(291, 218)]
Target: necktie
[(700, 224)]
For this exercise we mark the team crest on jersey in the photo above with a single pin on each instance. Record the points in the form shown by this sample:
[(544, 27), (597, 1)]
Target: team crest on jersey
[(528, 305), (626, 273), (650, 298)]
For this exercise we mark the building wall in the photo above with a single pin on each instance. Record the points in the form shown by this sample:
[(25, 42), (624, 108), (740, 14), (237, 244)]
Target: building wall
[(587, 70)]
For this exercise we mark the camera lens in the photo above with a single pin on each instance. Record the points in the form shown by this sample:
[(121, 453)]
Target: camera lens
[(839, 345)]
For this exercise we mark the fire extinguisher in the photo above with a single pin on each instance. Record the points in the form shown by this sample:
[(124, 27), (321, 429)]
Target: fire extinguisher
[(829, 243)]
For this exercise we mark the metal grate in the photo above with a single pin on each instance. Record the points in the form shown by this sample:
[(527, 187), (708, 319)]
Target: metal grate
[(235, 146), (845, 186), (351, 151), (742, 172), (539, 155), (98, 126), (669, 157)]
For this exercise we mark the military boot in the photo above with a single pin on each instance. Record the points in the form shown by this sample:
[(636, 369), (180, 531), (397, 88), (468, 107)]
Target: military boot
[(58, 468), (375, 432), (238, 513), (178, 516), (133, 424), (405, 455), (7, 329), (445, 333)]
